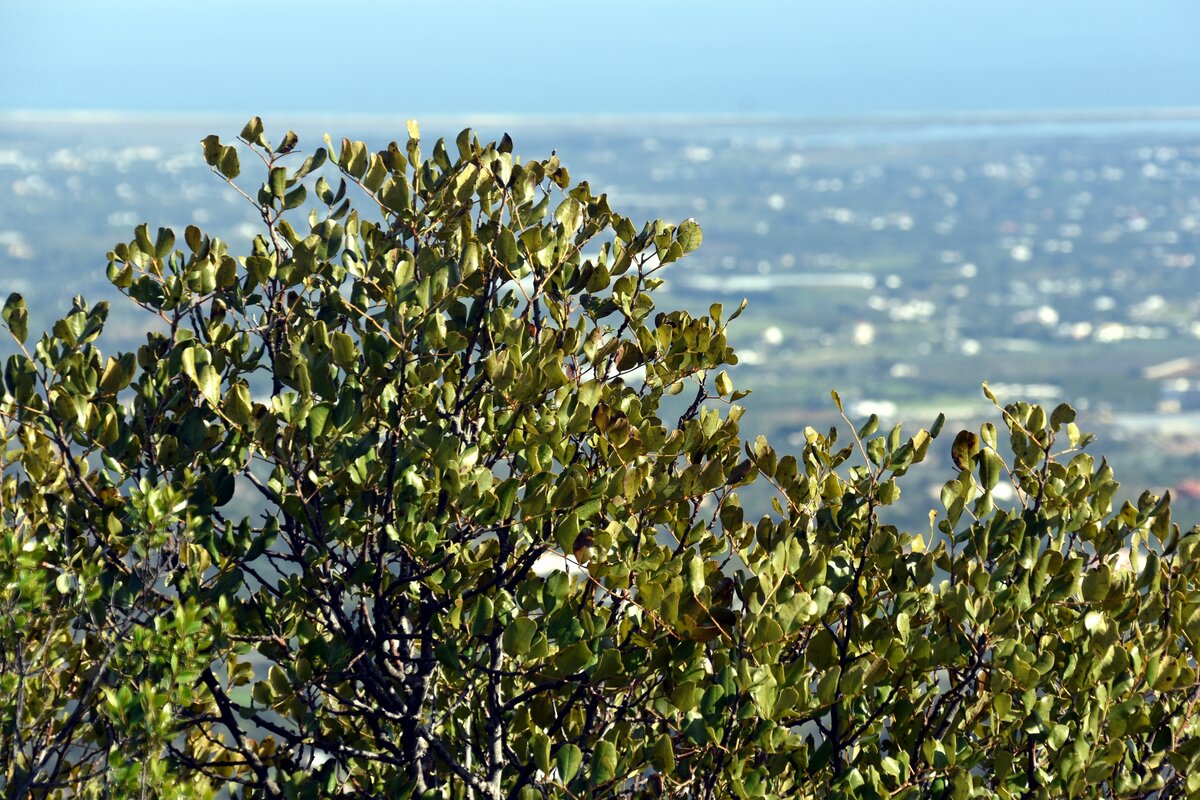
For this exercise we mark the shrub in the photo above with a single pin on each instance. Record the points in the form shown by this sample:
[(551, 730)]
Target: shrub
[(400, 503)]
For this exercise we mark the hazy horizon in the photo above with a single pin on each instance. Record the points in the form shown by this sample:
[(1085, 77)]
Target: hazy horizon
[(1116, 113), (540, 58)]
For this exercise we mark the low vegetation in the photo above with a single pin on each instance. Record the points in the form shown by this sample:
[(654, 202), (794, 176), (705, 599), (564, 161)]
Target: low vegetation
[(424, 497)]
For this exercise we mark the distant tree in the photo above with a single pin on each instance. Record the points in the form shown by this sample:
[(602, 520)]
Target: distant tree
[(392, 507)]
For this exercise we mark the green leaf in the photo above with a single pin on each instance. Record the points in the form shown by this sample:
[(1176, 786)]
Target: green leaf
[(376, 172), (253, 132), (113, 379), (481, 617), (569, 758), (572, 659), (141, 235), (295, 197), (212, 147), (290, 139), (164, 243), (964, 449), (279, 680), (723, 384), (193, 237), (903, 625), (987, 433), (342, 345), (662, 755), (539, 747), (827, 686), (695, 571), (609, 665), (227, 273), (821, 652), (991, 468), (767, 631), (209, 382), (318, 420), (1062, 415), (1096, 584), (278, 181), (569, 215), (237, 405), (689, 235), (16, 317), (227, 163), (869, 427), (397, 195), (187, 363), (506, 248), (604, 762), (936, 428), (567, 531), (518, 635)]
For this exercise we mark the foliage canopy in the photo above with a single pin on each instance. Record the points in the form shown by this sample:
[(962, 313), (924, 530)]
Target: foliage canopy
[(393, 506)]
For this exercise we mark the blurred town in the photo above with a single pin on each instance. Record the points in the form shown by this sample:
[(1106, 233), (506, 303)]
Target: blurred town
[(900, 261)]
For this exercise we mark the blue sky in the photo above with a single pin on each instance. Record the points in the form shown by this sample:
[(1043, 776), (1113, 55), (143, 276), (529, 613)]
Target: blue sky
[(789, 57)]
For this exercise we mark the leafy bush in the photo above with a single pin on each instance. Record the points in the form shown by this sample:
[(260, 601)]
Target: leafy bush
[(400, 504)]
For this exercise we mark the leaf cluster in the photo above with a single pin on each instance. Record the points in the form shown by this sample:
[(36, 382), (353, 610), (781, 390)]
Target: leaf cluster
[(402, 503)]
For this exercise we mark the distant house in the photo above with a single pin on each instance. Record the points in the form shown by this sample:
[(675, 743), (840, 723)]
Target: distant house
[(1189, 488), (1179, 384), (1175, 368)]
